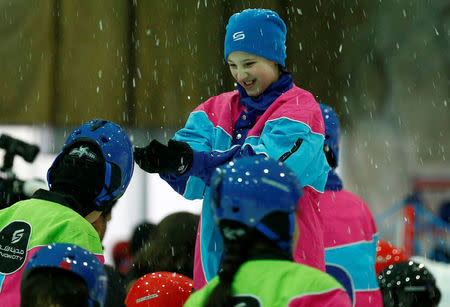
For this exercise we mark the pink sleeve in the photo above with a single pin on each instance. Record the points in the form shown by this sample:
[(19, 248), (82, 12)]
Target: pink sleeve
[(310, 248), (101, 258), (10, 289), (199, 275), (333, 298)]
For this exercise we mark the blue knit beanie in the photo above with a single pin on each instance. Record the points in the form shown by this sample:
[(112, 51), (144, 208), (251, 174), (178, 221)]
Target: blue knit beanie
[(257, 31), (331, 121)]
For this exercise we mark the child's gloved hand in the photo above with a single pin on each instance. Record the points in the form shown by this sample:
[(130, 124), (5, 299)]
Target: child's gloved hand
[(175, 158)]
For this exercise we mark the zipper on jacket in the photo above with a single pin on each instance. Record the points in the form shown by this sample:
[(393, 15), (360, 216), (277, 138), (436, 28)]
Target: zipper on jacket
[(293, 149)]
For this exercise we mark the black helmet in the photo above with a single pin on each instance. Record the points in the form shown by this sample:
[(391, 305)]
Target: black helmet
[(408, 284)]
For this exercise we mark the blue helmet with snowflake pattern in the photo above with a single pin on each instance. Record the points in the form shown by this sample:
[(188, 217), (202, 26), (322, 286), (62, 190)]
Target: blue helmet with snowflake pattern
[(97, 145), (331, 143), (74, 259), (248, 189)]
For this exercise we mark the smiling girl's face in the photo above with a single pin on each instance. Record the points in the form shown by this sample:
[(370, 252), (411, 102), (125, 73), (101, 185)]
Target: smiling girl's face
[(254, 73)]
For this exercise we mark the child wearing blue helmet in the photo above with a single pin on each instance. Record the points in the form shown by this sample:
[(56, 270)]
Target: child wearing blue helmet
[(349, 227), (85, 180), (63, 275), (254, 203), (267, 115)]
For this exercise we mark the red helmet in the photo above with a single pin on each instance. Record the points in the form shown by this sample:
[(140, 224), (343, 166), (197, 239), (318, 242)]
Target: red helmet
[(160, 289), (122, 256), (388, 254)]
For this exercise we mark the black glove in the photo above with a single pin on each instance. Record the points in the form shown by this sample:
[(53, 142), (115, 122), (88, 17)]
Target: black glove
[(175, 158)]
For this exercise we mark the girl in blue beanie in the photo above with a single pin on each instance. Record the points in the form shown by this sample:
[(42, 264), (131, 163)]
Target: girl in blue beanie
[(267, 115)]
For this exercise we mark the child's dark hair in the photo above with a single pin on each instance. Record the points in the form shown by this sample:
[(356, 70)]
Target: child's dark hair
[(235, 254), (53, 287), (170, 247), (283, 69), (140, 236), (242, 243)]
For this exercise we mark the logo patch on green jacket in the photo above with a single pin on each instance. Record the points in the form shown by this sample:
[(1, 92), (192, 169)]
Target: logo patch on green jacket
[(14, 239)]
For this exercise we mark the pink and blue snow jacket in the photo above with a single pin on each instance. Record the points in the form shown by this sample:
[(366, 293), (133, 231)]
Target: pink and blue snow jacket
[(350, 238), (289, 128)]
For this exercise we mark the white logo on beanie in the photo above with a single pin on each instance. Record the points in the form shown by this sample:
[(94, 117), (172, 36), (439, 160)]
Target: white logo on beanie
[(83, 151), (238, 36)]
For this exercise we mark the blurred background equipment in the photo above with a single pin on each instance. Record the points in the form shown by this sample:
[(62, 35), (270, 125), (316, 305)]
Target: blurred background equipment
[(419, 224), (15, 147), (13, 189)]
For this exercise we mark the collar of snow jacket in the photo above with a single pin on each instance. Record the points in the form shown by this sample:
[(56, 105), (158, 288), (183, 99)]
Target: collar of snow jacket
[(259, 253), (62, 199), (257, 105), (334, 183)]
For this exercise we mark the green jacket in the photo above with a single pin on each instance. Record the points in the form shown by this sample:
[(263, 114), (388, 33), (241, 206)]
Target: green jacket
[(274, 283), (27, 226)]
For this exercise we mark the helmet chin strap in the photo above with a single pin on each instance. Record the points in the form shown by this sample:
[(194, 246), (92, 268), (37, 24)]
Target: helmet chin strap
[(108, 194), (104, 194), (272, 235)]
